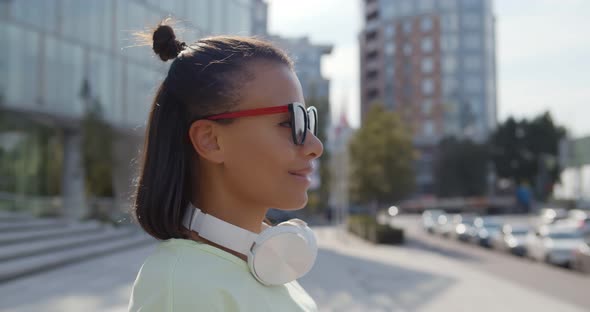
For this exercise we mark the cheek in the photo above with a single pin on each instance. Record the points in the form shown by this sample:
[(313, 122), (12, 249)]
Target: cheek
[(258, 169), (264, 154)]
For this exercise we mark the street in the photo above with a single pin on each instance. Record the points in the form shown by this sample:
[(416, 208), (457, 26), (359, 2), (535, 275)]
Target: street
[(426, 274)]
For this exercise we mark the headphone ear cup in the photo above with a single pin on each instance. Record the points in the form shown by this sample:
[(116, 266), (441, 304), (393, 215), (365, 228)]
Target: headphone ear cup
[(280, 255), (306, 231)]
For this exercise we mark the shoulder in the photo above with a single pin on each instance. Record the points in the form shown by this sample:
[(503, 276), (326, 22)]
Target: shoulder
[(182, 274)]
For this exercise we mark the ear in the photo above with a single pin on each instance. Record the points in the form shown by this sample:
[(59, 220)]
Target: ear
[(204, 139)]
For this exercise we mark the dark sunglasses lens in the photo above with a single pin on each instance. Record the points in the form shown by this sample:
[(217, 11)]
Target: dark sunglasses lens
[(313, 121), (299, 124)]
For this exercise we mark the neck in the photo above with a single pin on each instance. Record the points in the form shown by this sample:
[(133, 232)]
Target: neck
[(219, 200), (194, 236)]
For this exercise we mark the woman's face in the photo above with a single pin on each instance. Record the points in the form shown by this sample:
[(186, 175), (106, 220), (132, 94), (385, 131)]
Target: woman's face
[(262, 165)]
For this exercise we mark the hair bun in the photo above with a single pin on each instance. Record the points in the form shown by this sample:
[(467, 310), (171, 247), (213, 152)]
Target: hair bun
[(165, 44)]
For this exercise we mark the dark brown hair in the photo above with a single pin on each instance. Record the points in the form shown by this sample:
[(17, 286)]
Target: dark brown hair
[(204, 78)]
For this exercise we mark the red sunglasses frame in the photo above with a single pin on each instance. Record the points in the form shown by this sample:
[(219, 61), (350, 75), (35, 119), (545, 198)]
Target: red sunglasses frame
[(289, 108)]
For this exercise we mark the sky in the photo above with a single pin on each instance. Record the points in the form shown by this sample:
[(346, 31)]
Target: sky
[(542, 55)]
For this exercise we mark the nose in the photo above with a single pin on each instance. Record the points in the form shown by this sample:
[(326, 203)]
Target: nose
[(313, 147)]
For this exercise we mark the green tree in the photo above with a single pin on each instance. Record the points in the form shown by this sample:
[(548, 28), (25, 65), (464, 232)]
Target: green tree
[(461, 168), (382, 158), (97, 153), (526, 152), (32, 164), (319, 199)]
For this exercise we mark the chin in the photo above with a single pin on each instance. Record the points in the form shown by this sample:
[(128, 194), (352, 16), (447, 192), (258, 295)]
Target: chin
[(294, 203)]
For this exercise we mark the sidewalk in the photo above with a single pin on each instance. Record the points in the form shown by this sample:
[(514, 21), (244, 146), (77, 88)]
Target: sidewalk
[(353, 275), (349, 275)]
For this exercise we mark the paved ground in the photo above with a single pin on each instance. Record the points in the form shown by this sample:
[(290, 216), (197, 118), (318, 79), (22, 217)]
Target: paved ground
[(103, 284), (552, 281), (428, 274), (355, 276)]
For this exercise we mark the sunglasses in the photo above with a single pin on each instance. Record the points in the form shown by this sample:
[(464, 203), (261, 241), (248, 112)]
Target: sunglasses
[(302, 119)]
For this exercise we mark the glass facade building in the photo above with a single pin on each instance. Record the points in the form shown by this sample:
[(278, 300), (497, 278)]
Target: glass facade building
[(57, 55)]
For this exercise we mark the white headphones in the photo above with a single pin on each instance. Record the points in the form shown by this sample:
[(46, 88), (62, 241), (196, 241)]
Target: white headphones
[(278, 255)]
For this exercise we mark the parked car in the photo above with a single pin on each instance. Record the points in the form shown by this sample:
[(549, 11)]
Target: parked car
[(484, 229), (551, 215), (581, 257), (430, 219), (512, 238), (446, 224), (465, 228), (577, 218), (553, 244)]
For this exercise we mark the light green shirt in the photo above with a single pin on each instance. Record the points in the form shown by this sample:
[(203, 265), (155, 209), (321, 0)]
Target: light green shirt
[(184, 275)]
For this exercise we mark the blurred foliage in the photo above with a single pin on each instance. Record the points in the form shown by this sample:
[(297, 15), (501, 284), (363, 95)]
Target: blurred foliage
[(366, 227), (31, 156), (461, 168), (97, 152), (319, 198), (382, 159), (526, 151)]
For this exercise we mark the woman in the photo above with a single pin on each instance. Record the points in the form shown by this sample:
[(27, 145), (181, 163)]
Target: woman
[(227, 139)]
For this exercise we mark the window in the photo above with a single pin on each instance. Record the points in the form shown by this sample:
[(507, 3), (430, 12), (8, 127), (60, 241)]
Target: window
[(389, 95), (472, 42), (427, 86), (449, 43), (448, 4), (426, 5), (23, 68), (426, 24), (218, 20), (449, 86), (450, 22), (427, 65), (389, 49), (407, 26), (428, 128), (427, 106), (449, 65), (370, 56), (389, 31), (472, 21), (471, 3), (407, 49), (405, 7), (390, 10), (389, 72), (426, 45), (407, 68), (473, 84), (472, 63), (372, 94), (372, 74)]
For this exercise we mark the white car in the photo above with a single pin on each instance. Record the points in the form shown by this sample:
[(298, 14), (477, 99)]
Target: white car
[(447, 224), (577, 218), (430, 219), (551, 215), (464, 229), (512, 239), (553, 244), (486, 228)]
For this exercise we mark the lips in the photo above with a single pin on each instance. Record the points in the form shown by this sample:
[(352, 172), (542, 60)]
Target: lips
[(305, 172)]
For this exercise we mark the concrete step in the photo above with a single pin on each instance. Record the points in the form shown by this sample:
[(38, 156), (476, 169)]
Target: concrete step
[(68, 230), (6, 216), (20, 267), (30, 224), (27, 249)]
